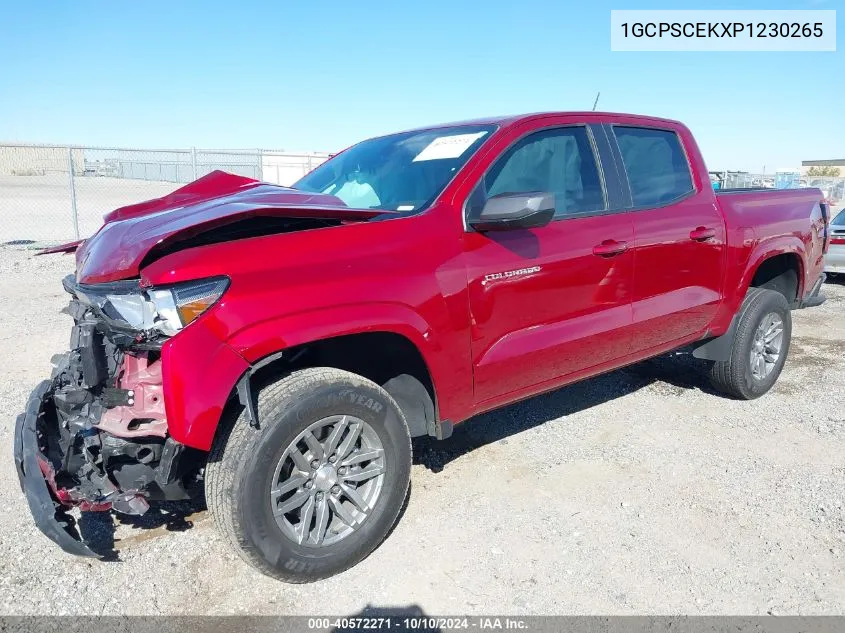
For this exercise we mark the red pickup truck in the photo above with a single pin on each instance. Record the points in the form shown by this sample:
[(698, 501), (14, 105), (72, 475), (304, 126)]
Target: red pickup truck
[(283, 345)]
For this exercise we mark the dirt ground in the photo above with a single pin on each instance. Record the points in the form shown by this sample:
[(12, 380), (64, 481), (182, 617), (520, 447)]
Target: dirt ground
[(636, 492)]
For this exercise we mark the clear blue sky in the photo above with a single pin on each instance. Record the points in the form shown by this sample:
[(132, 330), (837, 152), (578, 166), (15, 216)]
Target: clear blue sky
[(322, 74)]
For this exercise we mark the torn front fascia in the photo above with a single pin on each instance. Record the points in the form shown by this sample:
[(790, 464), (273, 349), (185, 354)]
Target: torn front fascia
[(135, 406), (85, 310), (107, 440), (81, 441)]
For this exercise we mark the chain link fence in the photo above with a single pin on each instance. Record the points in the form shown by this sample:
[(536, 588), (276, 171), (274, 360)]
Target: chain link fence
[(832, 187), (51, 193)]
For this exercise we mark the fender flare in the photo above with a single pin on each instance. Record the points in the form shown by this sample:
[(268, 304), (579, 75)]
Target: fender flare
[(719, 347), (269, 336), (266, 341), (782, 245)]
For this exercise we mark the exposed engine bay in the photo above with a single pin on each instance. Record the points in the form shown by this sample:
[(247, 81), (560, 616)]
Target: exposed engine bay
[(94, 436)]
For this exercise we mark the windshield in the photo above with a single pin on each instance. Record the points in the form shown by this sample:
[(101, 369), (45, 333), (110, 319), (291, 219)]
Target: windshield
[(839, 220), (401, 172)]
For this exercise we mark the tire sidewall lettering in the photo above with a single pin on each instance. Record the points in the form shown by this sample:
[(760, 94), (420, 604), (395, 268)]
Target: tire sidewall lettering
[(261, 529)]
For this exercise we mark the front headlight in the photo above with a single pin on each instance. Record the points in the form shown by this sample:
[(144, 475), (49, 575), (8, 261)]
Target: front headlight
[(168, 308), (194, 298)]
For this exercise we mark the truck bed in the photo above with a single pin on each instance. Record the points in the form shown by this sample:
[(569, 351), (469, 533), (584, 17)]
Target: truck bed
[(777, 218)]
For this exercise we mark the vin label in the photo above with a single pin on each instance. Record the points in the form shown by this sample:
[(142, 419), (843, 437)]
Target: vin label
[(722, 30)]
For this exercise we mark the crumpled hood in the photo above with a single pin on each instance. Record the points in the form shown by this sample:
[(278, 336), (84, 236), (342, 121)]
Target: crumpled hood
[(130, 233)]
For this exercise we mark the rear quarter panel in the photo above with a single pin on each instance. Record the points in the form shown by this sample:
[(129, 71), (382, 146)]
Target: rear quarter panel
[(763, 224)]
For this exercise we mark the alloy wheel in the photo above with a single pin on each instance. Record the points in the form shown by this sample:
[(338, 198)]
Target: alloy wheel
[(766, 345), (327, 481)]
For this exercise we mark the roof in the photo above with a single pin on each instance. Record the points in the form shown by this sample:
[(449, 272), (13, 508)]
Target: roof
[(511, 119)]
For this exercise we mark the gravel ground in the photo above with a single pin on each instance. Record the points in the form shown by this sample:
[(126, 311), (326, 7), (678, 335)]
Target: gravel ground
[(636, 492)]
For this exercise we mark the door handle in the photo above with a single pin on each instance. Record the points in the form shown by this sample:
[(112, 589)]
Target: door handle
[(702, 233), (609, 248)]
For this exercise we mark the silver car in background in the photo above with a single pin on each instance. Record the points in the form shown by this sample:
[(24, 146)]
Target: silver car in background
[(834, 261)]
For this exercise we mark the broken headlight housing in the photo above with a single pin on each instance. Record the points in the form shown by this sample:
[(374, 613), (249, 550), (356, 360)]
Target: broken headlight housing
[(165, 309)]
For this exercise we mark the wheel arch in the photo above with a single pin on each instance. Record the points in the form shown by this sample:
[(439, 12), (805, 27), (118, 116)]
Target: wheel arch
[(772, 260), (770, 265), (389, 344), (388, 358)]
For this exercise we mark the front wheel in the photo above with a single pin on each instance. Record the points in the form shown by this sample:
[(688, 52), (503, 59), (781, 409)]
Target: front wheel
[(319, 484), (761, 343)]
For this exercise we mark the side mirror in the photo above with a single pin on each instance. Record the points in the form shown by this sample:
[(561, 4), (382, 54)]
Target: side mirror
[(508, 211)]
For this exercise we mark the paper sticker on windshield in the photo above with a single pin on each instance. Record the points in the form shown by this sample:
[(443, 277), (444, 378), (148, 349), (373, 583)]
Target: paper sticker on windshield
[(448, 146)]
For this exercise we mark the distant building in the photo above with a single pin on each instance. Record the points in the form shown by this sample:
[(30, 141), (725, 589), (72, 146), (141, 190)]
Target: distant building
[(840, 163), (832, 188), (38, 160)]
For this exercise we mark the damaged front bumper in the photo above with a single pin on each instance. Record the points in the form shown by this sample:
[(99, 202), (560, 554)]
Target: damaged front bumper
[(95, 436), (34, 470)]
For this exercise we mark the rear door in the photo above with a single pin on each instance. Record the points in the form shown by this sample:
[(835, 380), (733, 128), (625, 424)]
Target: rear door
[(554, 301), (679, 238)]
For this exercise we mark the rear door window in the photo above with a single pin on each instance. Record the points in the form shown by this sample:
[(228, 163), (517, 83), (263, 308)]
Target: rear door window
[(656, 165)]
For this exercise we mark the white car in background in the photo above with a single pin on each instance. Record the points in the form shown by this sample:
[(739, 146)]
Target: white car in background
[(834, 261)]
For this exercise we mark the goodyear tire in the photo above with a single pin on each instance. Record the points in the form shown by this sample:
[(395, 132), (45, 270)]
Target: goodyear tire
[(760, 346), (320, 483)]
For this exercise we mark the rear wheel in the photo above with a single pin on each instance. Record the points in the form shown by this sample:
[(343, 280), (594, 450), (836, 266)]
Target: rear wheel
[(319, 484), (760, 346)]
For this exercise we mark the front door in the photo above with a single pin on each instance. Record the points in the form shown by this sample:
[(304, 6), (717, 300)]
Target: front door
[(550, 302)]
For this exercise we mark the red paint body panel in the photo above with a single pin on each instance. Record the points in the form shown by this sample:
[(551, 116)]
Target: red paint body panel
[(400, 275), (212, 185), (533, 327), (198, 375), (70, 247), (130, 234), (678, 278), (496, 316), (778, 222)]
